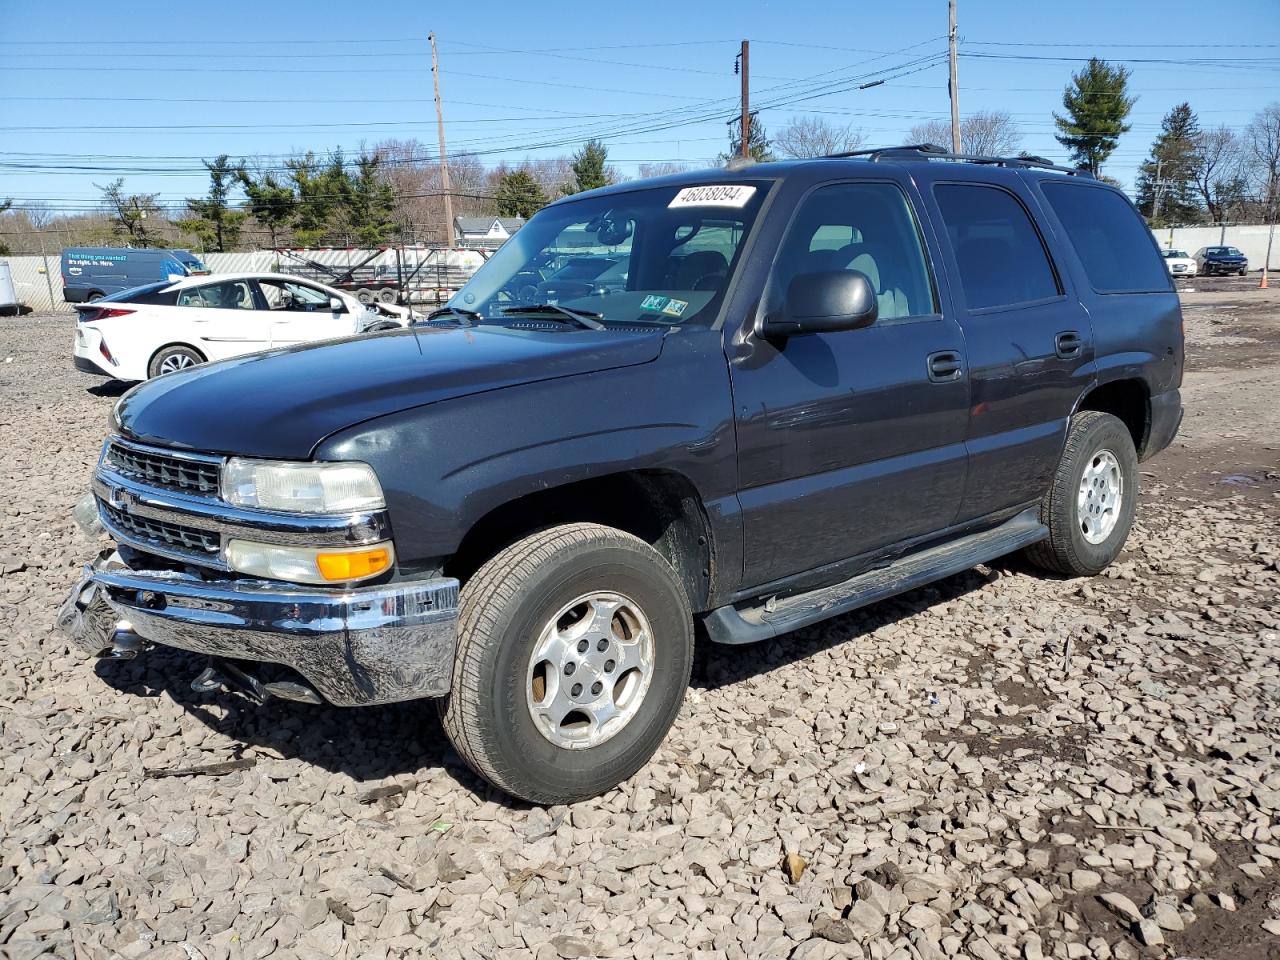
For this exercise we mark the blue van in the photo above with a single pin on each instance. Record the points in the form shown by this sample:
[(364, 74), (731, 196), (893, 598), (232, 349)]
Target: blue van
[(89, 273)]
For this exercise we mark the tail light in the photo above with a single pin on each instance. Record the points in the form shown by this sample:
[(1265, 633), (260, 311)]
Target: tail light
[(103, 313)]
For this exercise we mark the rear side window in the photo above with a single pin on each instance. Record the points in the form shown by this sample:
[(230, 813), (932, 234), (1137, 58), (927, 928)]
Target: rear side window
[(1110, 239), (1000, 256)]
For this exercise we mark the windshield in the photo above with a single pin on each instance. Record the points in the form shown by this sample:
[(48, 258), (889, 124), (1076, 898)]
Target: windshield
[(195, 267), (656, 255), (1170, 254), (1224, 252)]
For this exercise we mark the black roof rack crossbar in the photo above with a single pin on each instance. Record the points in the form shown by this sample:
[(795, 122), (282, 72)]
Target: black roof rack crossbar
[(931, 151)]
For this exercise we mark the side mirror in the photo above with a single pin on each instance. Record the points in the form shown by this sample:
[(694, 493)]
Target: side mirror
[(824, 302), (336, 305)]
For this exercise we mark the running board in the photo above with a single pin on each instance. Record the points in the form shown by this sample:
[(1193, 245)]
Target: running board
[(749, 623)]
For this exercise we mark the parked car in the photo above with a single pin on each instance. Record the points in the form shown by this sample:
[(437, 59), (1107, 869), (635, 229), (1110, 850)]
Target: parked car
[(91, 273), (168, 326), (1220, 261), (1178, 263), (522, 508)]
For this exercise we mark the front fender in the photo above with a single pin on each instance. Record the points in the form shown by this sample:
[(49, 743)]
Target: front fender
[(444, 466)]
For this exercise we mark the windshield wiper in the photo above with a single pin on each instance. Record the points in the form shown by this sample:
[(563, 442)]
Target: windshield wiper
[(584, 318), (470, 316)]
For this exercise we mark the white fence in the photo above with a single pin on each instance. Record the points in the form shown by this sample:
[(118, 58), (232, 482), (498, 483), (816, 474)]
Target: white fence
[(37, 280), (1251, 240)]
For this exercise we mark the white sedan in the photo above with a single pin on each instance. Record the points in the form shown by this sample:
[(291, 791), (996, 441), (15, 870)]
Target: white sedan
[(1178, 263), (163, 327)]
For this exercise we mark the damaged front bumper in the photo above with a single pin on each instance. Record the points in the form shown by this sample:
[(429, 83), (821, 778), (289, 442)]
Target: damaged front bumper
[(354, 647)]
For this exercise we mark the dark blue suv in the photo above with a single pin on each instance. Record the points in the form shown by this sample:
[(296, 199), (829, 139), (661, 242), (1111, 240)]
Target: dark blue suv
[(814, 385)]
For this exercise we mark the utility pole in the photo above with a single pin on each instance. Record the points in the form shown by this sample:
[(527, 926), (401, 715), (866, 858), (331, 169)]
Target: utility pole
[(954, 84), (745, 125), (444, 161), (1159, 187)]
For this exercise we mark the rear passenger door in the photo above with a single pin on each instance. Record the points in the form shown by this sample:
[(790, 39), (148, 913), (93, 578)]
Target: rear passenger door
[(222, 318), (1029, 341), (853, 441)]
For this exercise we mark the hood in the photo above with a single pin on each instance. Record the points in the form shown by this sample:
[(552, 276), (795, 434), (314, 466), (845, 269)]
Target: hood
[(281, 403)]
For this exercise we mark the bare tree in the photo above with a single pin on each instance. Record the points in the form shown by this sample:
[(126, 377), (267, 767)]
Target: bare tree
[(1262, 155), (809, 136), (665, 168), (991, 133), (1217, 170)]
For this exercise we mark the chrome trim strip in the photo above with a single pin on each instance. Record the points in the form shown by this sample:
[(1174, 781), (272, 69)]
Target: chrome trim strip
[(218, 516), (210, 458)]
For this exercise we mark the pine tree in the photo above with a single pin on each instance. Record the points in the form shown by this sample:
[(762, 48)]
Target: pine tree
[(1097, 103), (1172, 161), (270, 202), (519, 194), (589, 170), (212, 219), (759, 147)]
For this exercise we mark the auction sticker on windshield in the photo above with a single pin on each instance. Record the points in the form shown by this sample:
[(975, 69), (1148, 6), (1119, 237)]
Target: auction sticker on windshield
[(712, 195)]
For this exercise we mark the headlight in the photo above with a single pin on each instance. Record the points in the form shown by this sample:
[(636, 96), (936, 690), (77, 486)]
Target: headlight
[(301, 487), (310, 564)]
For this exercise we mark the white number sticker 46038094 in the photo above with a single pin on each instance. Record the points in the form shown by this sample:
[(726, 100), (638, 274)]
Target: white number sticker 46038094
[(714, 195)]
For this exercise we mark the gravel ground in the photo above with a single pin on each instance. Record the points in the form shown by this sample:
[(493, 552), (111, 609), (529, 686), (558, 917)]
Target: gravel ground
[(1001, 765)]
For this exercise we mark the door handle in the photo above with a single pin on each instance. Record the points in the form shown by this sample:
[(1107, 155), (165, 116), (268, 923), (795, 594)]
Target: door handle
[(945, 366), (1068, 344)]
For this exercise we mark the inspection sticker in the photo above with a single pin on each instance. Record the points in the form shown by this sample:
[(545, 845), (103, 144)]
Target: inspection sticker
[(653, 302), (726, 195), (675, 307)]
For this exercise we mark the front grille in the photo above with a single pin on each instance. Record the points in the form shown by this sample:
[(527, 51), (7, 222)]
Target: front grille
[(173, 472), (161, 533)]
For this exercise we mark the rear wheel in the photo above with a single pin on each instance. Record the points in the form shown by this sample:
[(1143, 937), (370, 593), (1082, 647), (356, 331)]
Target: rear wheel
[(365, 296), (387, 295), (1089, 505), (574, 652), (95, 296), (172, 359)]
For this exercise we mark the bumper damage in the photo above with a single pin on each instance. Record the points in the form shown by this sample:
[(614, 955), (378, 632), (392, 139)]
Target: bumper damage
[(354, 647)]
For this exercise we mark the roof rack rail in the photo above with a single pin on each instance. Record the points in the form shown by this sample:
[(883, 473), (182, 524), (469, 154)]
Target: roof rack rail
[(931, 151)]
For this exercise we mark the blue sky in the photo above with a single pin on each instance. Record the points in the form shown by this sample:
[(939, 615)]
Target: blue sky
[(144, 89)]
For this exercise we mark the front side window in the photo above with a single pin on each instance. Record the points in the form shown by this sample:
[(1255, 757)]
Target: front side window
[(232, 295), (999, 254), (859, 226), (1112, 242), (296, 297), (662, 255)]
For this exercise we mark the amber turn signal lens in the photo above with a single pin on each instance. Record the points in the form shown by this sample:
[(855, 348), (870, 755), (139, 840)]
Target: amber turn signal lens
[(356, 565)]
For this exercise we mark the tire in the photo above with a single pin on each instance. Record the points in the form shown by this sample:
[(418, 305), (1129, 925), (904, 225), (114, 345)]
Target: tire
[(365, 296), (1071, 547), (386, 295), (524, 598), (173, 358), (1243, 271), (95, 296)]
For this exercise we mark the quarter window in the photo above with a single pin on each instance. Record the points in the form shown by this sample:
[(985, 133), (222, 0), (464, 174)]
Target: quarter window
[(860, 226), (233, 295), (999, 254), (1110, 239)]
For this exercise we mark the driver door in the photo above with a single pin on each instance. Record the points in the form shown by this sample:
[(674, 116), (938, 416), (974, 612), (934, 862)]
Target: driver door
[(222, 319), (850, 442), (300, 313)]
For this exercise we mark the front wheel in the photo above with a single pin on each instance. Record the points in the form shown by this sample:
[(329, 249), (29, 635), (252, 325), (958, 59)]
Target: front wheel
[(172, 359), (1090, 503), (574, 651)]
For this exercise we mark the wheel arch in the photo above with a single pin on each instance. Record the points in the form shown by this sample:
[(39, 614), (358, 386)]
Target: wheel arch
[(1128, 400), (661, 507), (204, 357)]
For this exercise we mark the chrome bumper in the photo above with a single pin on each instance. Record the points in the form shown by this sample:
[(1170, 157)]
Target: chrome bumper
[(361, 646)]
